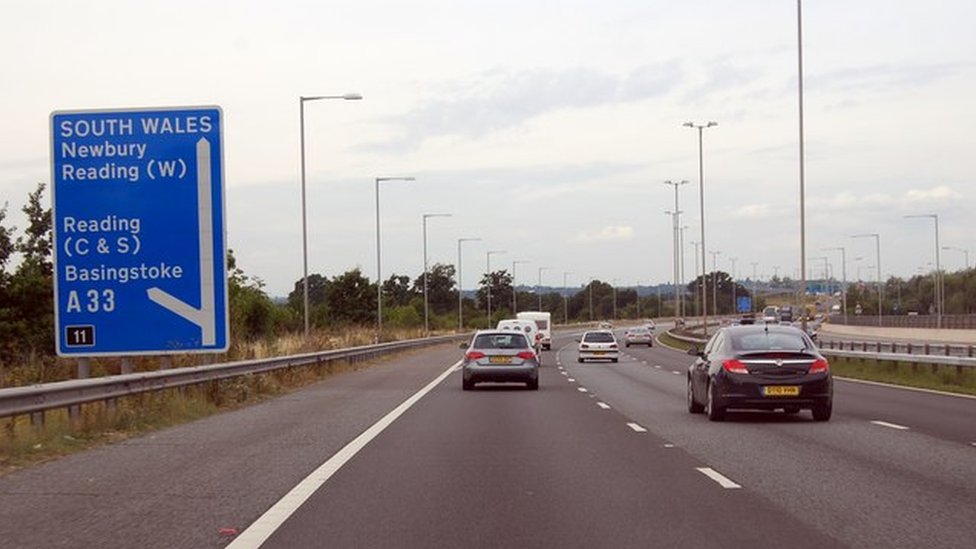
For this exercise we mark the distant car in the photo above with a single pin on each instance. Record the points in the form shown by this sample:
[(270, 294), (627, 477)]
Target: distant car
[(638, 336), (598, 344), (649, 324), (527, 326), (604, 325), (786, 314), (760, 367), (500, 356), (770, 315)]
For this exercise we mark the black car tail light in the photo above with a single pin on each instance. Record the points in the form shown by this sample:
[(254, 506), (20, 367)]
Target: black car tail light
[(820, 366), (734, 366)]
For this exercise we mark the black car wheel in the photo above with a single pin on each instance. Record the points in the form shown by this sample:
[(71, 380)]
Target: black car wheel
[(613, 360), (467, 385), (533, 385), (579, 359), (693, 406), (822, 412), (715, 412)]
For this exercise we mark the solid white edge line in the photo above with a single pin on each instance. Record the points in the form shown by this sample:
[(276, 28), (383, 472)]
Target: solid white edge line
[(905, 387), (637, 428), (721, 479), (606, 406), (890, 425), (261, 529)]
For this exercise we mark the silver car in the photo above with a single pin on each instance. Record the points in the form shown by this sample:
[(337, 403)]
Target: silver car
[(638, 336), (598, 344), (500, 356)]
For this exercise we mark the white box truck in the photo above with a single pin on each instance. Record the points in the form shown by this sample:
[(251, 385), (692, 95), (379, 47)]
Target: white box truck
[(543, 321)]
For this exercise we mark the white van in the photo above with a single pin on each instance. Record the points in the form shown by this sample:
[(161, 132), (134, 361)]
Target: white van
[(544, 323), (528, 327)]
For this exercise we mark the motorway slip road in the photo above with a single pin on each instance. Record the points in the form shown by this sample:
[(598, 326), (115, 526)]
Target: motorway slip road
[(602, 455)]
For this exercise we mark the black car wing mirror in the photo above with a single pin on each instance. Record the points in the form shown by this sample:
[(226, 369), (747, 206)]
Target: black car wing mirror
[(695, 351), (463, 345)]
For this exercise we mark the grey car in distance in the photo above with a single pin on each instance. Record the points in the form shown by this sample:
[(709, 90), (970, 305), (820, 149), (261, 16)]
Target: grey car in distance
[(500, 356)]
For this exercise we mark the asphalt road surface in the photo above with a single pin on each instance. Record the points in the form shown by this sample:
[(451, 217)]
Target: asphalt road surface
[(603, 455)]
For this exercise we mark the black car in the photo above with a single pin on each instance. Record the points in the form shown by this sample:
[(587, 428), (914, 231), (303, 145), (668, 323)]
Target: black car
[(765, 367)]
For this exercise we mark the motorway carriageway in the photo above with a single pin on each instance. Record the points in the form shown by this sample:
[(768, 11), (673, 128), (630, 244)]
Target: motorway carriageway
[(603, 455)]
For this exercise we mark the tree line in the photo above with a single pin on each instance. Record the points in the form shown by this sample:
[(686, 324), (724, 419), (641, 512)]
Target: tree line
[(349, 299)]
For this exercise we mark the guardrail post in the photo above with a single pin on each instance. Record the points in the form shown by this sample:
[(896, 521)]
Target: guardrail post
[(165, 362), (927, 349), (879, 347), (908, 347), (83, 370), (37, 419), (970, 350)]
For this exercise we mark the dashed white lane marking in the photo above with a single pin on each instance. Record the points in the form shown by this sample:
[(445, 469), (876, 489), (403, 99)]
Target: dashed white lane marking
[(571, 380), (564, 373), (606, 406), (260, 530), (890, 425), (721, 479), (637, 428), (658, 366), (676, 372), (669, 445), (581, 389), (973, 443)]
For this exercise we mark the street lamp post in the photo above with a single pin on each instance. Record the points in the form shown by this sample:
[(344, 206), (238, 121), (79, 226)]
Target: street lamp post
[(701, 280), (701, 199), (379, 269), (681, 270), (488, 255), (538, 289), (877, 249), (676, 246), (426, 306), (939, 294), (514, 290), (301, 117), (614, 299), (752, 304), (460, 287), (803, 215), (732, 260), (843, 271), (715, 254), (591, 299), (565, 297)]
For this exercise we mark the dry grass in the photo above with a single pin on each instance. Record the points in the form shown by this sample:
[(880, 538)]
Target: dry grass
[(23, 444)]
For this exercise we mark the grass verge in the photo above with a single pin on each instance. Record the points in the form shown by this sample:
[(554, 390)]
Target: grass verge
[(22, 444), (925, 376)]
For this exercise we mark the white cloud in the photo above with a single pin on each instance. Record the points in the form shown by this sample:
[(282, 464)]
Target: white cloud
[(611, 233), (935, 194)]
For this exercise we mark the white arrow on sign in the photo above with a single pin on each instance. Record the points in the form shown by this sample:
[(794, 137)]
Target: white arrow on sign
[(206, 316)]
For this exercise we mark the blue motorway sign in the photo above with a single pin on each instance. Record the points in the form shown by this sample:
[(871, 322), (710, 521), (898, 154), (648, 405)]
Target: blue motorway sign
[(743, 304), (139, 251)]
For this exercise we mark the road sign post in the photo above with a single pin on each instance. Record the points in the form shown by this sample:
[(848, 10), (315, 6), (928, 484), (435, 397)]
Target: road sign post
[(139, 247)]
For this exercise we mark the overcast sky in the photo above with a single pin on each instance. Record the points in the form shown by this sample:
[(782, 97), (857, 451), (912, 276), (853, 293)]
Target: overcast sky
[(546, 128)]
